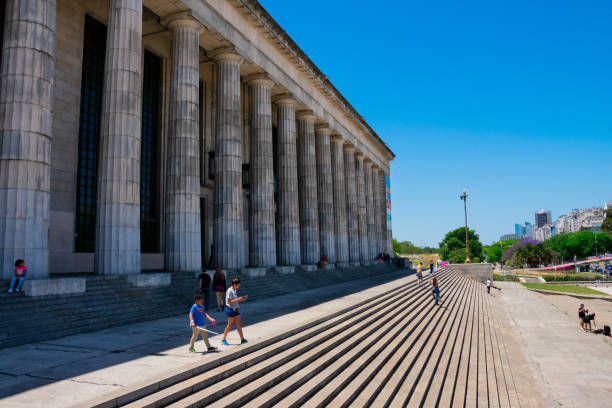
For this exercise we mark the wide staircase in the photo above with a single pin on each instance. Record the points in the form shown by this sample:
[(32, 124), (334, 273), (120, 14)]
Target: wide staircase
[(396, 350), (109, 301)]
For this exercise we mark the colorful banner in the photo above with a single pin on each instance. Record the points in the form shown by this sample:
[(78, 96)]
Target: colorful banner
[(388, 196)]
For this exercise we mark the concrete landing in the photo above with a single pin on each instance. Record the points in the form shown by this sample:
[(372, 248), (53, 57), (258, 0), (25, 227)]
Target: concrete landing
[(71, 370), (571, 366)]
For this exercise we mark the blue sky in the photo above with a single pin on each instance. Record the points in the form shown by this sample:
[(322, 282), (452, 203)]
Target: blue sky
[(509, 99)]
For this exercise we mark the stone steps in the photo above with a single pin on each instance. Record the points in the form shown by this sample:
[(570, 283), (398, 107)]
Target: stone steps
[(391, 351), (110, 301)]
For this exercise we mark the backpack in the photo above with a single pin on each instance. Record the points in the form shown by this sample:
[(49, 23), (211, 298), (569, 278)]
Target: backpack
[(606, 331)]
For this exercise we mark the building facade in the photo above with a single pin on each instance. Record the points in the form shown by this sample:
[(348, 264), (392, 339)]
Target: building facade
[(542, 218), (173, 135)]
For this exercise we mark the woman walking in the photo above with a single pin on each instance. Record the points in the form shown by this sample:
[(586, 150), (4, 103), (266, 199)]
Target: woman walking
[(219, 287), (435, 291), (231, 311)]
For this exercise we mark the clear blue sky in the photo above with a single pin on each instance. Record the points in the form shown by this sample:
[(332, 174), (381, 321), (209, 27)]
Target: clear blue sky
[(509, 99)]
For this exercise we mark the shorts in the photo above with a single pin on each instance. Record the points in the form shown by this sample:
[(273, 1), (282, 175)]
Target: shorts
[(231, 312)]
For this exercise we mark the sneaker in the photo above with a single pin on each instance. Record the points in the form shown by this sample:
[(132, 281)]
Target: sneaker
[(10, 291), (192, 349), (224, 342), (243, 341), (211, 348)]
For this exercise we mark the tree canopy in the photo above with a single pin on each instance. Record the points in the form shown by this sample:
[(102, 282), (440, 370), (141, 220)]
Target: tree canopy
[(494, 251), (581, 244), (407, 248), (452, 247), (533, 256)]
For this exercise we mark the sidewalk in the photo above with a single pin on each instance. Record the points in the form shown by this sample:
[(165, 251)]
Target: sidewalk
[(572, 367), (74, 369)]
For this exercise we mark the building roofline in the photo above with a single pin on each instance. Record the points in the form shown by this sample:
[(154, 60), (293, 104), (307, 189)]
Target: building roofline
[(254, 7)]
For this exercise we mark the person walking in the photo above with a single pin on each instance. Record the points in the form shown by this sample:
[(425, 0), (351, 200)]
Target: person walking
[(419, 275), (19, 276), (435, 291), (431, 267), (219, 285), (420, 269), (488, 286), (197, 315), (204, 286), (232, 311)]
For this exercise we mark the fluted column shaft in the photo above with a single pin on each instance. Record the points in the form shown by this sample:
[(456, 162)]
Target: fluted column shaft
[(325, 194), (376, 192), (288, 236), (26, 113), (351, 203), (307, 176), (118, 206), (228, 242), (383, 211), (182, 223), (364, 246), (262, 234), (340, 219), (369, 193)]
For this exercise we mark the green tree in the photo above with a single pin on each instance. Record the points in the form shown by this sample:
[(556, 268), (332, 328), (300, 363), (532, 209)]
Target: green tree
[(533, 256), (396, 247), (606, 226), (581, 244), (494, 251), (454, 241)]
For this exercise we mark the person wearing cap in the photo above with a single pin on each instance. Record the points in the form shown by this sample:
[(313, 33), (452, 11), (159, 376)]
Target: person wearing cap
[(232, 311)]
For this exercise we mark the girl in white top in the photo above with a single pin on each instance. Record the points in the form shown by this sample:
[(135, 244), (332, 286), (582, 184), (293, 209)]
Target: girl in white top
[(231, 311)]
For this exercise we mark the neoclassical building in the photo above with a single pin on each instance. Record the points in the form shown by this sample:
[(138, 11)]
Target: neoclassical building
[(173, 134)]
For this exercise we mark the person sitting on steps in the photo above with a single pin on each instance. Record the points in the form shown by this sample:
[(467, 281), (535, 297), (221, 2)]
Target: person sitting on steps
[(323, 262)]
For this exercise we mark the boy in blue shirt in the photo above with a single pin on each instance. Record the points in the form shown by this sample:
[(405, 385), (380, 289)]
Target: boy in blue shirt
[(197, 316)]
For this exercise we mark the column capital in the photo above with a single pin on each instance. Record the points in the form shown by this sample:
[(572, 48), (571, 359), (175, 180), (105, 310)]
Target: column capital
[(367, 162), (225, 54), (305, 114), (182, 19), (358, 155), (348, 147), (322, 128), (336, 138), (261, 79), (284, 99)]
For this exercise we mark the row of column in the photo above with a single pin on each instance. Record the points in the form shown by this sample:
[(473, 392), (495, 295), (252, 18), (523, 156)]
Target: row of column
[(329, 196)]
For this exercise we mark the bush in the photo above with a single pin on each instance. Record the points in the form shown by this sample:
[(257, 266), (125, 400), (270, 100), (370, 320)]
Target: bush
[(507, 278), (571, 277)]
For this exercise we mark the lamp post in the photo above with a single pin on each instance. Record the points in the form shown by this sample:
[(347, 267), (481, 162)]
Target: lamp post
[(467, 245)]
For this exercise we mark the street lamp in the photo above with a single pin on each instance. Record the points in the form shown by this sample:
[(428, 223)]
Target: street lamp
[(467, 245)]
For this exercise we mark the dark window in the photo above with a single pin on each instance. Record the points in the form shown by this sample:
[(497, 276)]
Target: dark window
[(149, 214), (92, 77), (201, 135), (245, 175), (211, 165)]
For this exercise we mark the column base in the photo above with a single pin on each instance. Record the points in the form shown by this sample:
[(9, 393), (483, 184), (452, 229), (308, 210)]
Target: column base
[(45, 287), (149, 280), (342, 265), (329, 266), (254, 272), (365, 263), (355, 263), (309, 268), (285, 269)]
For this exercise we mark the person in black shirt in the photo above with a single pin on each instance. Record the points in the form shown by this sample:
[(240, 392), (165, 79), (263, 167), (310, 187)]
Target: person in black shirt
[(203, 287), (582, 311)]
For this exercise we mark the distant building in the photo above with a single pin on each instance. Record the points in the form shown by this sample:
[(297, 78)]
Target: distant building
[(507, 237), (544, 232), (542, 218), (524, 230), (608, 205)]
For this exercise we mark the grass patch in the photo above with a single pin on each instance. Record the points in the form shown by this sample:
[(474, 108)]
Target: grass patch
[(507, 278), (578, 290)]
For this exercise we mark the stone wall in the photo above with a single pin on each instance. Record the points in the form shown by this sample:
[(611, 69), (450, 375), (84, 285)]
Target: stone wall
[(477, 271)]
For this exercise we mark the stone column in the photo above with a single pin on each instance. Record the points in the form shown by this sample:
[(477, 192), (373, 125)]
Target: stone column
[(383, 213), (377, 193), (307, 176), (262, 234), (118, 206), (26, 114), (228, 241), (364, 246), (182, 210), (371, 219), (325, 193), (340, 221), (351, 205), (288, 237)]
